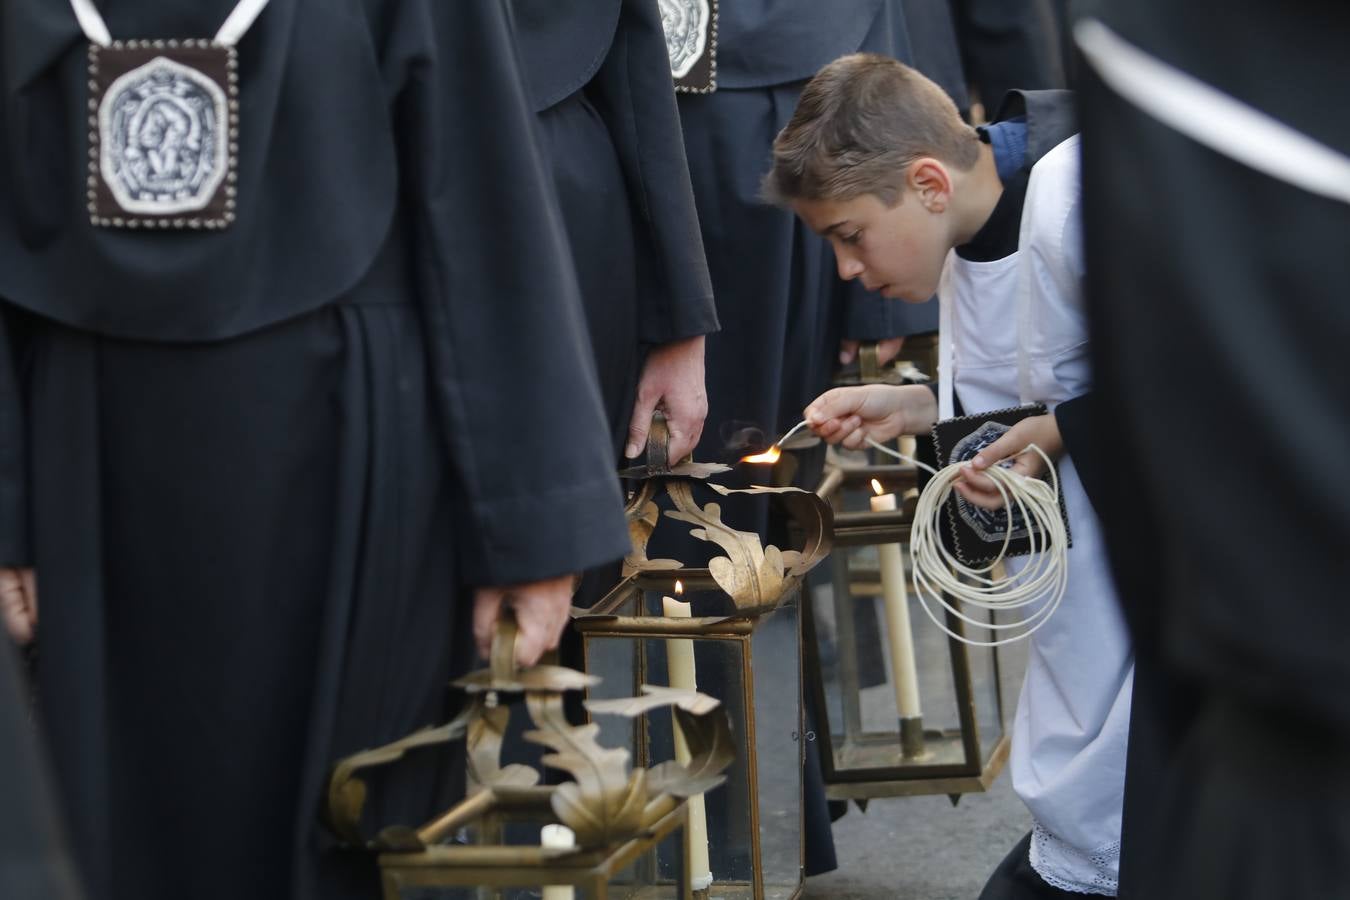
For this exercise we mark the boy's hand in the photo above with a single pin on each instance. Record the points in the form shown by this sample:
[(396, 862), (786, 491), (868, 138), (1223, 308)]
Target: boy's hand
[(18, 603), (542, 609), (1043, 431), (851, 415), (672, 379)]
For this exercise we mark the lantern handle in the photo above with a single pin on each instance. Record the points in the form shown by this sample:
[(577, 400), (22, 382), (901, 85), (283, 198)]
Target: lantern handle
[(869, 362), (502, 658), (658, 444)]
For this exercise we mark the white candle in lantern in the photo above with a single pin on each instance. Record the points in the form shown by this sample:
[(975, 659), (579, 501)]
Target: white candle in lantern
[(680, 663), (904, 672), (558, 837)]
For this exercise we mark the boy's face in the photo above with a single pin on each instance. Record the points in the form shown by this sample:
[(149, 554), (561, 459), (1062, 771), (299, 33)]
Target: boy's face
[(897, 250)]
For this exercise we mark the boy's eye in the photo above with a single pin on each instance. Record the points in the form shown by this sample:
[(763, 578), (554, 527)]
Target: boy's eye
[(852, 237)]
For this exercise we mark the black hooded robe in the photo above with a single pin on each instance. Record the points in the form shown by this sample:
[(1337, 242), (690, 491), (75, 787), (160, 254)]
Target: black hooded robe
[(256, 469), (1218, 314)]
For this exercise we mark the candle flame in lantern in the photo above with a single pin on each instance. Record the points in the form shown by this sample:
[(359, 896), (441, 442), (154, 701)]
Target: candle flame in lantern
[(679, 588), (876, 486), (768, 456)]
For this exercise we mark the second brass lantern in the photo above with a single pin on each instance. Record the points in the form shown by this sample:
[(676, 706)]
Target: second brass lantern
[(878, 736)]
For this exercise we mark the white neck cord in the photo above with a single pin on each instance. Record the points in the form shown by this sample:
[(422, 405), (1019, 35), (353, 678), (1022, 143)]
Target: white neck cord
[(239, 22), (939, 576)]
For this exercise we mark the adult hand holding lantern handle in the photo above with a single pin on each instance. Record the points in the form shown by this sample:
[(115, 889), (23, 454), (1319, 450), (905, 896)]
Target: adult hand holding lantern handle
[(541, 611)]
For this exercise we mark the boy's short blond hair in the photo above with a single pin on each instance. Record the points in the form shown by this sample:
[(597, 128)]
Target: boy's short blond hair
[(859, 123)]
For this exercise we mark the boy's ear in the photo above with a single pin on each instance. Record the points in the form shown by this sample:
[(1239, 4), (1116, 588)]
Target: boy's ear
[(930, 182)]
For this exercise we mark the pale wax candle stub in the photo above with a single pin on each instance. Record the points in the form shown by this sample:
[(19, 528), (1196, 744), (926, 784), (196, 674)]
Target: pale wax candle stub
[(680, 666), (904, 670), (883, 503), (558, 837)]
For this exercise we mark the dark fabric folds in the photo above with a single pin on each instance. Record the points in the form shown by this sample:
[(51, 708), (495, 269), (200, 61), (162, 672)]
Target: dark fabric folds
[(35, 861), (256, 512), (315, 196)]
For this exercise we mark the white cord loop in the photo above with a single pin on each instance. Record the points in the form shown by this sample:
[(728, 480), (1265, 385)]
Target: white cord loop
[(939, 576)]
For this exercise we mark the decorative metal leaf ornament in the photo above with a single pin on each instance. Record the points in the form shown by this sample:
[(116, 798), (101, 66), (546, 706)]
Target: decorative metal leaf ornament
[(604, 804), (810, 512), (486, 734), (708, 737), (347, 792), (751, 574), (641, 524), (655, 697), (539, 678)]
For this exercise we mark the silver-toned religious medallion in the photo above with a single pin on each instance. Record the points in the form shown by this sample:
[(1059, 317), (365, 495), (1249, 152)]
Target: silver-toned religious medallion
[(163, 126), (691, 40), (164, 119)]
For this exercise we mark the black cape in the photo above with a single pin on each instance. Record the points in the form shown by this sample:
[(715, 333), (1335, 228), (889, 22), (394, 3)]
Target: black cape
[(256, 470), (1217, 296)]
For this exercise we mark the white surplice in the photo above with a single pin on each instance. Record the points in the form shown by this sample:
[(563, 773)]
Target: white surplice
[(1014, 331)]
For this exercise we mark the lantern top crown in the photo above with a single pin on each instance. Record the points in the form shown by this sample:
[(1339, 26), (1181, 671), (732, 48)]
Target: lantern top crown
[(756, 577)]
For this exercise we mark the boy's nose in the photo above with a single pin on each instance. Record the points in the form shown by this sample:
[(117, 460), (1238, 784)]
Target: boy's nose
[(849, 267)]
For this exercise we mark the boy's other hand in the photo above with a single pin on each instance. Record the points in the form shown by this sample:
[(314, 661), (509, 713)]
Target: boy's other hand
[(672, 379), (887, 350), (542, 610), (1043, 431), (18, 603), (851, 415)]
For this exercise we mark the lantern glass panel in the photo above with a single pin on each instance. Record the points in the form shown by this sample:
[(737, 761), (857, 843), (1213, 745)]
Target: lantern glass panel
[(777, 671), (858, 672), (986, 682)]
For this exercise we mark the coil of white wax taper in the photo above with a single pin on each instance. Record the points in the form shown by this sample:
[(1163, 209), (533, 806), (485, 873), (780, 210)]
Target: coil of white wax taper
[(940, 579)]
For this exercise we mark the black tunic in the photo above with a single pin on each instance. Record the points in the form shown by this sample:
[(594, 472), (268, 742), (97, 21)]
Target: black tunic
[(1219, 326), (257, 469), (600, 77)]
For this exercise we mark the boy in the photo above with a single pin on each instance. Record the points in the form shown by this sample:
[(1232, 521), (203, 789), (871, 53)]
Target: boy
[(913, 200)]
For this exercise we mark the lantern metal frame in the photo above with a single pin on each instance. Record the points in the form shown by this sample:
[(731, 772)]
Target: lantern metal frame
[(495, 866), (618, 814), (604, 622), (904, 777)]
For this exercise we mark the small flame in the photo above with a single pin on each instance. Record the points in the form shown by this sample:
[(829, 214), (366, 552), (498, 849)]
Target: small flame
[(876, 486), (768, 456), (679, 588)]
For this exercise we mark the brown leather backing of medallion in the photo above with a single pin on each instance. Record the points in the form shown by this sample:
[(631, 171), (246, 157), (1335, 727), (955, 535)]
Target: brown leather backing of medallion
[(702, 77), (216, 62)]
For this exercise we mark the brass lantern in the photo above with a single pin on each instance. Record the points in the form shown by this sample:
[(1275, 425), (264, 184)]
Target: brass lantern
[(625, 827), (902, 707), (732, 631)]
